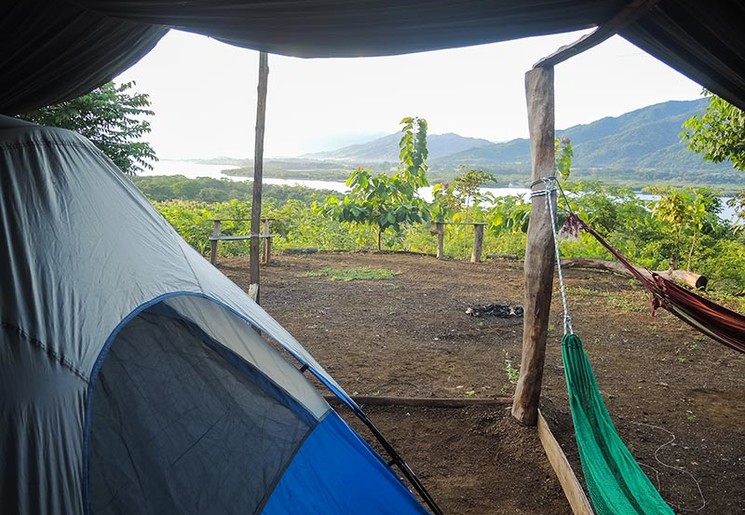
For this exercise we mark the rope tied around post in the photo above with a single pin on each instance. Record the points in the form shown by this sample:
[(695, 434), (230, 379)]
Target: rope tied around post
[(550, 186)]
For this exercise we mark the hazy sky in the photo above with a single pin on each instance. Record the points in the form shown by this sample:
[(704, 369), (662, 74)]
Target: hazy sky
[(204, 93)]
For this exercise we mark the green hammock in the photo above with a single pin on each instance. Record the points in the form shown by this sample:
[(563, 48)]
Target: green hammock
[(616, 484)]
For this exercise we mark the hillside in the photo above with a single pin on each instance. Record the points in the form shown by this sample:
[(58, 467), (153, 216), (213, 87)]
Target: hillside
[(386, 149), (636, 149), (648, 138)]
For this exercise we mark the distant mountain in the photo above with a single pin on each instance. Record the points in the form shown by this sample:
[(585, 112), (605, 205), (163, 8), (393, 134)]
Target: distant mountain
[(636, 149), (386, 149), (648, 138)]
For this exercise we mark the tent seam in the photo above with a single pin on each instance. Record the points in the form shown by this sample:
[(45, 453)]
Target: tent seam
[(65, 362)]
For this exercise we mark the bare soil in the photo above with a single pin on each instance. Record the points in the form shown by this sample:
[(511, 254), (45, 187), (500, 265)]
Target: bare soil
[(676, 396)]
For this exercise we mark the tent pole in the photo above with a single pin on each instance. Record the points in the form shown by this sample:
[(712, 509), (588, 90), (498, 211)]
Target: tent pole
[(258, 172), (539, 253)]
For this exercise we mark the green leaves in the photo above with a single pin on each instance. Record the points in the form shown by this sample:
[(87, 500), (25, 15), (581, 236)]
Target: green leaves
[(112, 117), (388, 203), (564, 153), (718, 133)]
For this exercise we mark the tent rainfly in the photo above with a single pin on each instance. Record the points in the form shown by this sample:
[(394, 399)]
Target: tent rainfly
[(130, 378)]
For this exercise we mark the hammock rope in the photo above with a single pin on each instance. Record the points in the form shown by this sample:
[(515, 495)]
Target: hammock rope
[(615, 482)]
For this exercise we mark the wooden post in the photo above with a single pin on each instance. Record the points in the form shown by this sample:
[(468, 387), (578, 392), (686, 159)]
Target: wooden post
[(214, 243), (258, 172), (539, 253), (478, 242), (267, 255), (440, 229)]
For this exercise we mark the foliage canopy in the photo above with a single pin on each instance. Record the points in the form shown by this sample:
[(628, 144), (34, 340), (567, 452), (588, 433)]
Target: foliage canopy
[(718, 133), (113, 117), (383, 202)]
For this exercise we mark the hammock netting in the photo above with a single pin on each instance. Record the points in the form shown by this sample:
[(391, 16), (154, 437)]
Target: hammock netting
[(615, 482)]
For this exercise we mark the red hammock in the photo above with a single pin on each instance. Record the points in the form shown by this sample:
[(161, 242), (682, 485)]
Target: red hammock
[(713, 320)]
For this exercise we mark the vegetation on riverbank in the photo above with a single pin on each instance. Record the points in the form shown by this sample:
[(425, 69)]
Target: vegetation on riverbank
[(682, 227)]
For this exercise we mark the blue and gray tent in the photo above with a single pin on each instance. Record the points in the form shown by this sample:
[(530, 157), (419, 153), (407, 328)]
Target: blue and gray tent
[(131, 380)]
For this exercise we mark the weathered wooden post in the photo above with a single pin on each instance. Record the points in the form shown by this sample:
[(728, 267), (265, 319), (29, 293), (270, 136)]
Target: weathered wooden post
[(539, 254), (258, 172), (214, 243), (478, 242), (440, 230), (267, 256)]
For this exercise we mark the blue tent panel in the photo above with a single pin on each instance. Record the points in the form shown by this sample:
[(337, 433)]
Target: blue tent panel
[(335, 471)]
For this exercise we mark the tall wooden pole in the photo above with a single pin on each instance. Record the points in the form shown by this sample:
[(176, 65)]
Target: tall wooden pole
[(539, 254), (258, 172)]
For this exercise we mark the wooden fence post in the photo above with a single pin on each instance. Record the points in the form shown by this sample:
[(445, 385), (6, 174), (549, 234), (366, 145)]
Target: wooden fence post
[(539, 253), (478, 242), (440, 229), (267, 256), (214, 243)]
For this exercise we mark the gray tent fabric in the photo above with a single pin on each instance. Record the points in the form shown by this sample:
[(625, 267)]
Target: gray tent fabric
[(64, 233), (94, 277), (56, 51)]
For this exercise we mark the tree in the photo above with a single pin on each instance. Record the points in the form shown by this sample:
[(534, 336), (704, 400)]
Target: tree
[(687, 214), (718, 133), (463, 195), (112, 117), (388, 203)]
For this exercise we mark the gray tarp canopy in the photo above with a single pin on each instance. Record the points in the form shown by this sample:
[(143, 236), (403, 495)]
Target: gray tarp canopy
[(54, 51)]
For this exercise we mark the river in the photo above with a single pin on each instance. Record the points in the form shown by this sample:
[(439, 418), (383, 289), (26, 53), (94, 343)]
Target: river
[(194, 170)]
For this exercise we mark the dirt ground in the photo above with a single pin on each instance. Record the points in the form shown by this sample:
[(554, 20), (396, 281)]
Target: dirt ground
[(676, 396)]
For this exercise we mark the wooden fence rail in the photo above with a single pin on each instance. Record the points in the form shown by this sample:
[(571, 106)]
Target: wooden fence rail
[(217, 237), (478, 238)]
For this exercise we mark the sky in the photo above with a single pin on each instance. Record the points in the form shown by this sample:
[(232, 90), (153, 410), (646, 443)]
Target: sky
[(203, 93)]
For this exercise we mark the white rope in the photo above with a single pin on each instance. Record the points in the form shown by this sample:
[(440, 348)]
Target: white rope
[(549, 188)]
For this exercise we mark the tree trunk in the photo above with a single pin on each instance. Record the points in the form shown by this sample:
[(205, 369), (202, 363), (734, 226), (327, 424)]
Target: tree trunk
[(691, 279), (258, 172), (539, 254)]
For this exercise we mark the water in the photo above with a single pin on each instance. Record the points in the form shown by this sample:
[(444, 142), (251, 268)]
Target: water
[(190, 170), (194, 170)]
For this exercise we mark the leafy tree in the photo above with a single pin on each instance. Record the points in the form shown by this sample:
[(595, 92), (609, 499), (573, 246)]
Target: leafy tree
[(383, 202), (687, 214), (463, 195), (718, 133), (112, 117)]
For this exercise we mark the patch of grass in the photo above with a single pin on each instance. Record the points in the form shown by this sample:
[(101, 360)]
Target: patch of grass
[(513, 372), (626, 303), (578, 291), (352, 274)]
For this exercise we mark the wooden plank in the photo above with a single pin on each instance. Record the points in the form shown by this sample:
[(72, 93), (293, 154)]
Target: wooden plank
[(425, 402), (240, 237), (627, 15), (573, 491), (539, 252)]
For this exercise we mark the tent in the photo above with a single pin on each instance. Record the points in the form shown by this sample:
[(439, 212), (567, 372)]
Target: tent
[(54, 51), (131, 380)]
